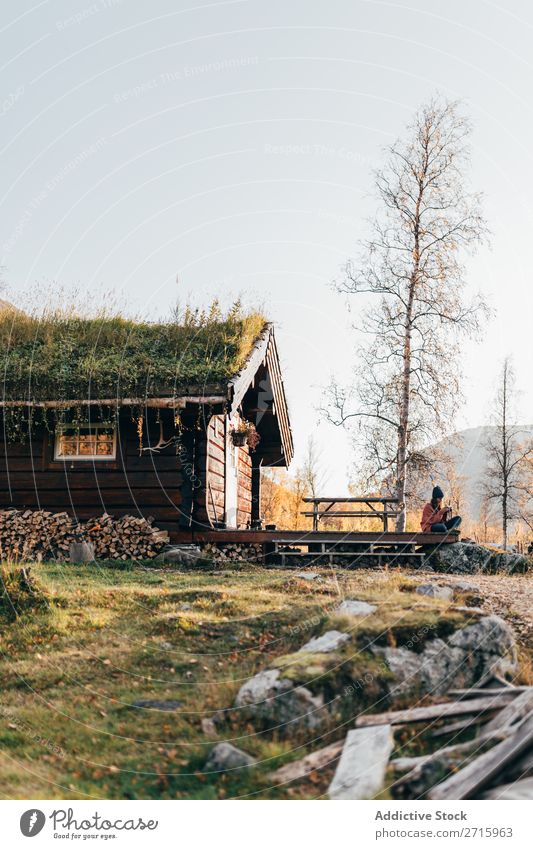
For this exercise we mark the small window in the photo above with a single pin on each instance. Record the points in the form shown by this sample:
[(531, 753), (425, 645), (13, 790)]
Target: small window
[(92, 442)]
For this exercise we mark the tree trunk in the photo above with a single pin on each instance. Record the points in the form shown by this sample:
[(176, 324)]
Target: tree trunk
[(403, 429)]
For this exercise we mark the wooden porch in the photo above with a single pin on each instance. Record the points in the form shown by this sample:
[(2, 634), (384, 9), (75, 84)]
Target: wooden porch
[(324, 548)]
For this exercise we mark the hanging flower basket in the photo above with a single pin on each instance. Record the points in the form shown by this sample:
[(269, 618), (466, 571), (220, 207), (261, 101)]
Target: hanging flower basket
[(239, 438), (245, 433)]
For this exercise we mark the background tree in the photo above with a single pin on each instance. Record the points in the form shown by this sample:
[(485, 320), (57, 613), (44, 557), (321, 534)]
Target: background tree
[(509, 453), (282, 494), (409, 385)]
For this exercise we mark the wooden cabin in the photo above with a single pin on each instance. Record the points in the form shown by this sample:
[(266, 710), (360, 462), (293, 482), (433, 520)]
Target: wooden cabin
[(187, 447)]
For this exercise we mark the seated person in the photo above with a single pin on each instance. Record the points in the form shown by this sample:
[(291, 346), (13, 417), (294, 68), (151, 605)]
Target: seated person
[(436, 518)]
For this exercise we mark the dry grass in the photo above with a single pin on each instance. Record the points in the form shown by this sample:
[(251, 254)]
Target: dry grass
[(111, 636)]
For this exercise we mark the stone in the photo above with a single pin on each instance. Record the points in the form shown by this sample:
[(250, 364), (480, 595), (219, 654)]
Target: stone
[(272, 700), (469, 558), (352, 607), (328, 642), (166, 646), (225, 756), (492, 642), (307, 576), (156, 704), (81, 552), (435, 591), (519, 790), (360, 773), (209, 727), (464, 587), (182, 556), (461, 661)]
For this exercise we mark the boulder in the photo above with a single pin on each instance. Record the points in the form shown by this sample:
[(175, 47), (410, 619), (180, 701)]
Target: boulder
[(459, 662), (464, 587), (225, 756), (435, 591), (328, 642), (81, 552), (469, 558), (307, 576), (488, 644), (182, 556), (271, 700), (352, 607)]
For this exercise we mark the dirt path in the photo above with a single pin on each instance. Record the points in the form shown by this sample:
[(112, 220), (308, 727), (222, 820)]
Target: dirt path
[(510, 596)]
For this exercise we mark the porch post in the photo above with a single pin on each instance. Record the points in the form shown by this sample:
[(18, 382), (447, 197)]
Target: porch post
[(256, 490)]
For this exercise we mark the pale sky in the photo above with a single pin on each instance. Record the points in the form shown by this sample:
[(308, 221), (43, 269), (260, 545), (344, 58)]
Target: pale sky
[(231, 145)]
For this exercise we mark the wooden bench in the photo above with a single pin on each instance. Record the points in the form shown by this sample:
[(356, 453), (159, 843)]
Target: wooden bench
[(319, 512)]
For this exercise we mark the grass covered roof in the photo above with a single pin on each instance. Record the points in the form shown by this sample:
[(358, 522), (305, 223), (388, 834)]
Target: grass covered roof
[(64, 356)]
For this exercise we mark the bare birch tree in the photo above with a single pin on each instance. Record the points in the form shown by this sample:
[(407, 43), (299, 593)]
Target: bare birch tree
[(509, 451), (408, 388)]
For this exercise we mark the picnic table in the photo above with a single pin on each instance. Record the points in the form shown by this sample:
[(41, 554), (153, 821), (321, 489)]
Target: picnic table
[(373, 503)]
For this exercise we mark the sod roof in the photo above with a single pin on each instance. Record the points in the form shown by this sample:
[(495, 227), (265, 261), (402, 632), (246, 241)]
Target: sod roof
[(63, 357)]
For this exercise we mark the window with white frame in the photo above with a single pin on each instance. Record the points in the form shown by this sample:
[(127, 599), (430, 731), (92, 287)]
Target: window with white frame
[(86, 442)]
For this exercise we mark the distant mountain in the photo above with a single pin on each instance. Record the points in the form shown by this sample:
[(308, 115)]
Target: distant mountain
[(466, 450)]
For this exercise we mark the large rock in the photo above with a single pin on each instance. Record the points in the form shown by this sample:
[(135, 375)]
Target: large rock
[(328, 642), (225, 756), (353, 607), (272, 700), (182, 556), (468, 558), (434, 591), (460, 661)]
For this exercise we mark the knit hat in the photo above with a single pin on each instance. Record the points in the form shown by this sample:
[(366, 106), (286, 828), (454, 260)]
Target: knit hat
[(437, 492)]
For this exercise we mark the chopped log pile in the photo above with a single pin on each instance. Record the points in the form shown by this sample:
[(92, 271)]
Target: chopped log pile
[(42, 535), (233, 552)]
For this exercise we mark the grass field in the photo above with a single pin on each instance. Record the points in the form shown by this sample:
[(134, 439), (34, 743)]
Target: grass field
[(102, 637)]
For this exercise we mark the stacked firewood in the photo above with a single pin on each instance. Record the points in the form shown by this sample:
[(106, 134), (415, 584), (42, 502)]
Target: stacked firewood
[(233, 552), (42, 535), (35, 534), (129, 537)]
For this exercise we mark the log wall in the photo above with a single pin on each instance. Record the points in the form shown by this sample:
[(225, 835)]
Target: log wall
[(175, 486), (146, 485)]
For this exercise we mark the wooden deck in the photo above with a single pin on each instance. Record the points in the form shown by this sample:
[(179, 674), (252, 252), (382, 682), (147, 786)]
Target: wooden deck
[(318, 548), (305, 536)]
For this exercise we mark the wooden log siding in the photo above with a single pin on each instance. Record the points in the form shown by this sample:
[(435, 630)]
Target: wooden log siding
[(139, 485), (216, 470), (211, 504), (244, 488)]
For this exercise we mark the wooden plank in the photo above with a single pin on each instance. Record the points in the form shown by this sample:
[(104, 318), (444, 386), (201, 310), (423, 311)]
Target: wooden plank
[(109, 497), (517, 791), (95, 479), (360, 773), (351, 499), (431, 712), (304, 537), (316, 760), (351, 514), (520, 706), (483, 691), (480, 772)]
